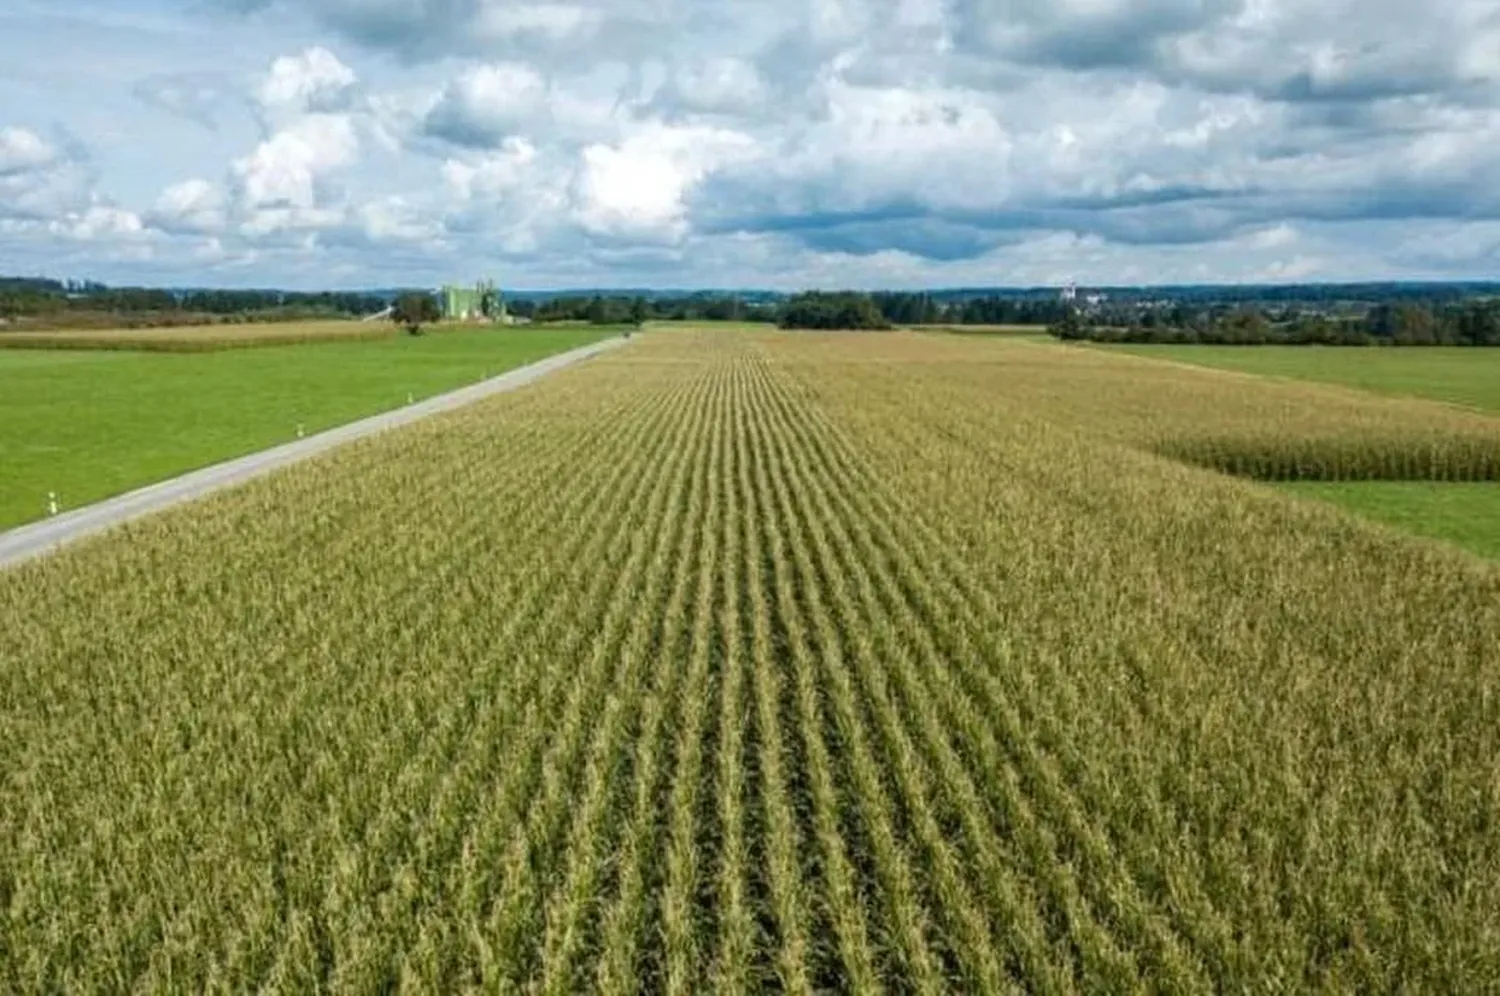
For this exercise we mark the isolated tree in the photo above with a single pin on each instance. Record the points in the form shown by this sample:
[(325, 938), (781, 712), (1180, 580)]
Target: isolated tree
[(638, 312), (415, 310), (1070, 325), (598, 312), (492, 304)]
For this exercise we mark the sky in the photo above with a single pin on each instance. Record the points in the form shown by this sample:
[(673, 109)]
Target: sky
[(781, 144)]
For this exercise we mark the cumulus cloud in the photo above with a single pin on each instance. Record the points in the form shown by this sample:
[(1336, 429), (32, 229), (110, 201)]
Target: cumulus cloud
[(285, 188), (639, 188), (42, 178), (395, 219), (487, 104), (902, 140), (192, 206), (713, 85), (508, 170), (507, 21), (98, 221), (23, 151), (312, 82), (288, 169), (511, 201)]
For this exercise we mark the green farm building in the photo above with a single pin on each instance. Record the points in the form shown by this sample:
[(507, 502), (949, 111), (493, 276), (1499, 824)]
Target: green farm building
[(482, 302)]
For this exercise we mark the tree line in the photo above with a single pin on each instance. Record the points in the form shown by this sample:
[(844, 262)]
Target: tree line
[(1406, 323), (57, 302), (624, 309), (813, 309), (1403, 314)]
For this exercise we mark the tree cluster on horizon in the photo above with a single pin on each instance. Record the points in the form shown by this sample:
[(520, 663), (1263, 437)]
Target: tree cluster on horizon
[(1407, 323)]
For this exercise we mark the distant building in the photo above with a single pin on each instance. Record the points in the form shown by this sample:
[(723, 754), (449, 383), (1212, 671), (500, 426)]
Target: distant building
[(1070, 295), (479, 303)]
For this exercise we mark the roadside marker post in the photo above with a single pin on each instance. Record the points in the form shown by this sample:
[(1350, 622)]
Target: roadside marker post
[(51, 502)]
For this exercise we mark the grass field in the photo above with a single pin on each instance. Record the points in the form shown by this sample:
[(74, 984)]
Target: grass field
[(1458, 375), (90, 424), (741, 662)]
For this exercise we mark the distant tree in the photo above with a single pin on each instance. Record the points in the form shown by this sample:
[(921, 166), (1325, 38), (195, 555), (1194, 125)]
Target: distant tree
[(415, 310), (822, 310), (1415, 325), (1478, 324), (638, 312), (1244, 326), (1070, 325), (489, 303), (598, 311), (1381, 322)]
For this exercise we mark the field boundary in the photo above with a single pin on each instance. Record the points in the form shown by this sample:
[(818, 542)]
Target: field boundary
[(38, 538)]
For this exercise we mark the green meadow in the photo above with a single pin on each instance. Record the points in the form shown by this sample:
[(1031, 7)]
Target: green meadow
[(88, 424), (1456, 374)]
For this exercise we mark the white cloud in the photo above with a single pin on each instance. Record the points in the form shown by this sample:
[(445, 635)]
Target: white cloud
[(285, 171), (395, 219), (639, 188), (506, 19), (23, 151), (196, 206), (714, 85), (314, 81), (41, 179), (495, 175), (99, 221)]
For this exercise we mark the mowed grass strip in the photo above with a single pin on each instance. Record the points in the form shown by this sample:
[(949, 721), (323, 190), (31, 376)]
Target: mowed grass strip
[(732, 662), (1459, 375), (90, 425)]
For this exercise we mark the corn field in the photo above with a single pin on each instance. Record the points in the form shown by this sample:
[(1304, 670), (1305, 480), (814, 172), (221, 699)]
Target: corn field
[(732, 663), (198, 338)]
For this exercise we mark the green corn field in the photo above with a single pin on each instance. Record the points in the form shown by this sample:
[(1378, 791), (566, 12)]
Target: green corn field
[(741, 662)]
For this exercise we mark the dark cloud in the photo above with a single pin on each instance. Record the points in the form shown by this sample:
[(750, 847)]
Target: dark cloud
[(1094, 35), (486, 105), (416, 27), (928, 237), (575, 33), (947, 236)]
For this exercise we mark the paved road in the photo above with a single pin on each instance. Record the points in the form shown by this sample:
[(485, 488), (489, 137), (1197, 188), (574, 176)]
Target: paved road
[(42, 537)]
